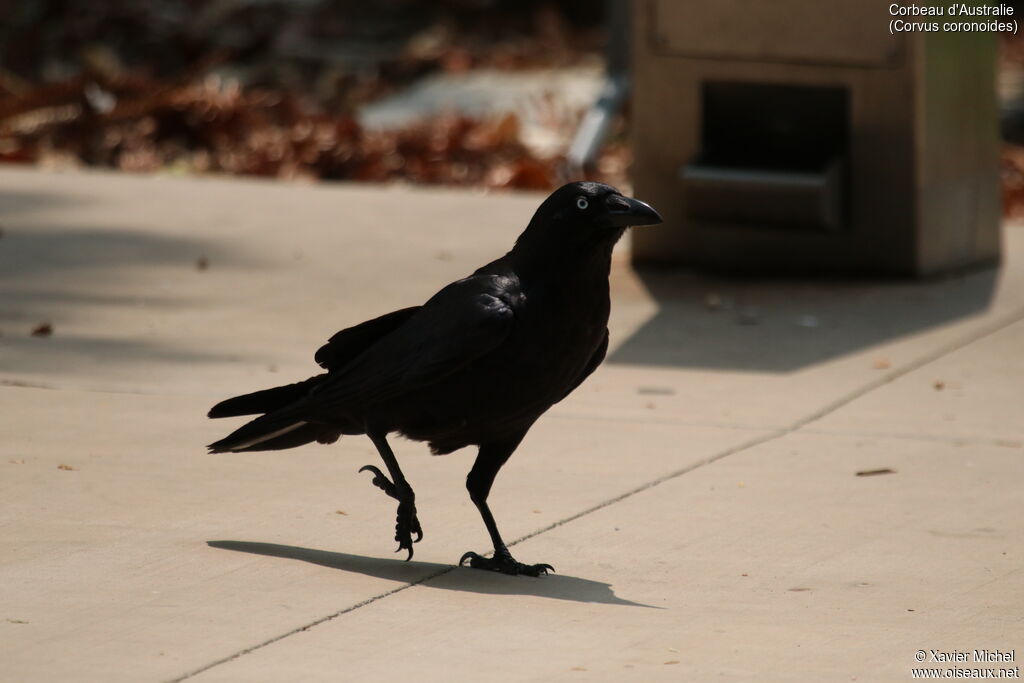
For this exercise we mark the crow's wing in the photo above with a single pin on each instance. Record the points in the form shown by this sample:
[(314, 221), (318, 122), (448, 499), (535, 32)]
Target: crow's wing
[(334, 355), (464, 321), (353, 341)]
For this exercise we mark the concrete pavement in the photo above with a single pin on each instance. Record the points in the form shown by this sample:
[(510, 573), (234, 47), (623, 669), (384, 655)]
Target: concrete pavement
[(698, 496)]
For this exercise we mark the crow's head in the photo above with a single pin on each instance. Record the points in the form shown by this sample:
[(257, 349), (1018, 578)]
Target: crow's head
[(582, 218), (590, 207)]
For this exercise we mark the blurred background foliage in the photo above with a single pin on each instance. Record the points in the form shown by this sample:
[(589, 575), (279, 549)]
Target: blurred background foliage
[(276, 87)]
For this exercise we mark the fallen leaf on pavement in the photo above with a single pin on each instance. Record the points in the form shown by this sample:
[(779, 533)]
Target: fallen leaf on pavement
[(873, 473)]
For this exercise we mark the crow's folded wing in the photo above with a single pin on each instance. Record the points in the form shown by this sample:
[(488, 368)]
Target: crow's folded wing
[(348, 344), (464, 321)]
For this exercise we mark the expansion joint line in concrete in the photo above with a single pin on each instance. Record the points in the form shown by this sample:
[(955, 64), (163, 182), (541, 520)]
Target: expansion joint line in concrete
[(799, 424)]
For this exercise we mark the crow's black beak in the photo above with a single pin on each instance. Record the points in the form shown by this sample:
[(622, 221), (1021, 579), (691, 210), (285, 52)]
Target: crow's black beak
[(624, 212)]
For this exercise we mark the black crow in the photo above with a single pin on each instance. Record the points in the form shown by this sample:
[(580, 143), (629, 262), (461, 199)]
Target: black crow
[(475, 365)]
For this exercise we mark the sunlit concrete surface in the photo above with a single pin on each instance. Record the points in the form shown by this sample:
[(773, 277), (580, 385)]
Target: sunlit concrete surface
[(698, 495)]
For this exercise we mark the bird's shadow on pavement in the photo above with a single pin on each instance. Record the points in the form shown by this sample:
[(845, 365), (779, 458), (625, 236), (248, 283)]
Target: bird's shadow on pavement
[(442, 576)]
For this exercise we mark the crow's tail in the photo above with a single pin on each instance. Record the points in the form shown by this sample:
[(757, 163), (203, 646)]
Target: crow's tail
[(266, 401), (281, 427), (273, 433)]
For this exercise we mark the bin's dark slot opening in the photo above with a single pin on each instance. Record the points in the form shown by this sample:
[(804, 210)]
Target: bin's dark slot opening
[(761, 126), (772, 156)]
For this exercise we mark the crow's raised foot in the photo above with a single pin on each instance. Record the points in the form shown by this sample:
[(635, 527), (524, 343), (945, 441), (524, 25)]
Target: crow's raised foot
[(381, 481), (506, 564), (406, 522)]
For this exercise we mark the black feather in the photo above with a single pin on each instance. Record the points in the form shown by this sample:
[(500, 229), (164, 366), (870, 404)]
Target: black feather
[(350, 342), (307, 433), (261, 429), (265, 401)]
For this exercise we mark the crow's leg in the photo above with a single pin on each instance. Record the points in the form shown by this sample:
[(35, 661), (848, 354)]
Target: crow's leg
[(488, 461), (398, 488)]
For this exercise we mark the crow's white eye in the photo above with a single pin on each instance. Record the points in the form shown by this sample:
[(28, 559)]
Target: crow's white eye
[(581, 204)]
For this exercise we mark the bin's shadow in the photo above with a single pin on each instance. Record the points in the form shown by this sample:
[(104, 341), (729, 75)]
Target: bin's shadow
[(774, 325), (441, 576)]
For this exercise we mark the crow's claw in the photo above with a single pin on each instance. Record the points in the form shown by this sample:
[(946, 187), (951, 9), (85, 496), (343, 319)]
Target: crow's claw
[(381, 481), (504, 563)]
